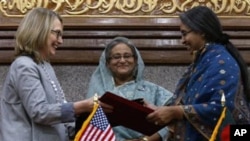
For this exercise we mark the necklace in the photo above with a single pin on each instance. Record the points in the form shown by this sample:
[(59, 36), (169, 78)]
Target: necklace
[(60, 98)]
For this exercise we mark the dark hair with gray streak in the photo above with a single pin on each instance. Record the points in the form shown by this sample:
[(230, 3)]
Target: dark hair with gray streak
[(203, 20), (117, 41)]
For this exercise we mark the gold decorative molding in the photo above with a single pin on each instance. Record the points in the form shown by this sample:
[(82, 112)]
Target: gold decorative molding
[(125, 8)]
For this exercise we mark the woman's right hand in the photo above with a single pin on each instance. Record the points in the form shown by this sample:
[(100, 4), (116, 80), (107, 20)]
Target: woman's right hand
[(165, 114), (83, 106)]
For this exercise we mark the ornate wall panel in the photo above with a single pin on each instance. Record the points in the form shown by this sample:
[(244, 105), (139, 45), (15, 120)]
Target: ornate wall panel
[(151, 24)]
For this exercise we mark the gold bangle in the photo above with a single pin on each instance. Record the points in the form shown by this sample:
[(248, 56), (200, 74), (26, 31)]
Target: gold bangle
[(144, 138)]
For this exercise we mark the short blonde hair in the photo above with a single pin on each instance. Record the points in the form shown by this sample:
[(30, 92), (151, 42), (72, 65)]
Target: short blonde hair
[(32, 33)]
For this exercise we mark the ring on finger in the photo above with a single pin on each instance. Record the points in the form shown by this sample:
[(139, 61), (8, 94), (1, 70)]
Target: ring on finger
[(156, 123)]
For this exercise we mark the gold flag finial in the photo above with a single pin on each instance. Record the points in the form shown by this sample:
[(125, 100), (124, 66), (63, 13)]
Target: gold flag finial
[(96, 98), (223, 100), (220, 120)]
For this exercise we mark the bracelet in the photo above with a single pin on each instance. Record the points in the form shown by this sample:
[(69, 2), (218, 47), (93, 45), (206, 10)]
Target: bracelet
[(144, 138)]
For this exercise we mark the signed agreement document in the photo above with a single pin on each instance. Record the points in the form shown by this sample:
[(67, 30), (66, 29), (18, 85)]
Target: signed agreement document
[(129, 114)]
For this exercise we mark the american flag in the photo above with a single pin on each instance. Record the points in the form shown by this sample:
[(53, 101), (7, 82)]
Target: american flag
[(96, 127)]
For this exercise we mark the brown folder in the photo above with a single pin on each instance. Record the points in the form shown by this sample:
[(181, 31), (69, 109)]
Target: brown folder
[(129, 114)]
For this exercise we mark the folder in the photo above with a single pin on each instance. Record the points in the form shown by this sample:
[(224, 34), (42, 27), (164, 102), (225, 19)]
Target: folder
[(130, 114)]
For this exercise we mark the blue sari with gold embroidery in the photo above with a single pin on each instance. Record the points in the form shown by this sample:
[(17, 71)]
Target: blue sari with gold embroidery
[(199, 91)]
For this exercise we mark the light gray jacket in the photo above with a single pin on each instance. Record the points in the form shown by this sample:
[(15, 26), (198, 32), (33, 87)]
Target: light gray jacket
[(30, 110)]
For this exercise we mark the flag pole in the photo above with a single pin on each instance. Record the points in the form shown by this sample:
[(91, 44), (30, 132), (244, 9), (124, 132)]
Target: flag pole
[(87, 121), (222, 116)]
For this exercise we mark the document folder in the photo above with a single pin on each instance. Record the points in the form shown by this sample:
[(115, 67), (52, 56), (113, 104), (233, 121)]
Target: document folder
[(129, 114)]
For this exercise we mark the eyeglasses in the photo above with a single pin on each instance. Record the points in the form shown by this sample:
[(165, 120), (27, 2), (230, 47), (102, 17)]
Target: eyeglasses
[(185, 33), (57, 32), (119, 57)]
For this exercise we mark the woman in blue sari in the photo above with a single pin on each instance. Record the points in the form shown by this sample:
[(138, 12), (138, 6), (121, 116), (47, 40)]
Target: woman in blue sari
[(217, 69)]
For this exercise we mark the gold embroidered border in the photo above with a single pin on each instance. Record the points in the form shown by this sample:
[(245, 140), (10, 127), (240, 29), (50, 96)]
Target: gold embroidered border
[(125, 8)]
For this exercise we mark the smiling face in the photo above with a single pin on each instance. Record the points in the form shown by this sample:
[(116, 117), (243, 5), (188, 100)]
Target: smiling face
[(122, 62), (54, 39), (193, 40)]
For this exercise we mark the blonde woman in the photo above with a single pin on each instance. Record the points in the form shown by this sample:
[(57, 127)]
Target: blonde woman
[(33, 105)]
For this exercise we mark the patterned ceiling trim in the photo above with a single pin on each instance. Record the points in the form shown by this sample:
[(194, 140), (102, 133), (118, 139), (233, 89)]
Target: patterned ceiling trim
[(125, 8)]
